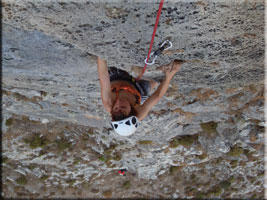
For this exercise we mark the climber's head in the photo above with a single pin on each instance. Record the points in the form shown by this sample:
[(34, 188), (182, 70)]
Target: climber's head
[(121, 109), (125, 127), (124, 120)]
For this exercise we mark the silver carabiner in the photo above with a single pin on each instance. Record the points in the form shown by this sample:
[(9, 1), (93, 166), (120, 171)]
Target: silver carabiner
[(153, 61), (158, 51), (170, 44)]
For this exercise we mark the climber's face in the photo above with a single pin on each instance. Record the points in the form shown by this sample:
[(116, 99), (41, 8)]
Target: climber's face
[(122, 106)]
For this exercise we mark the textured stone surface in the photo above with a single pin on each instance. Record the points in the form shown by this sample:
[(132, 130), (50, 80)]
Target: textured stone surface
[(224, 41), (203, 139)]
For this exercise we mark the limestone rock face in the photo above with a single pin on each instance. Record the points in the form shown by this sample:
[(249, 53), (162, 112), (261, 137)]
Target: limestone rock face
[(204, 139)]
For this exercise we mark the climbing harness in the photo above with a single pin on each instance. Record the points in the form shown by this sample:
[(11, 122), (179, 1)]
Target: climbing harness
[(118, 88), (162, 47)]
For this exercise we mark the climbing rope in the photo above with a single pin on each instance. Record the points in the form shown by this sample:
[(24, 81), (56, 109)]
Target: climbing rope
[(152, 39)]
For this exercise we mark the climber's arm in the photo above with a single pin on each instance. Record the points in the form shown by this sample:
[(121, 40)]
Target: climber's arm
[(153, 99), (160, 92), (104, 83)]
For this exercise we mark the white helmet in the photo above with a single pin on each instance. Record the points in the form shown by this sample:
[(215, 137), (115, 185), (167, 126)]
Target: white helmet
[(125, 127)]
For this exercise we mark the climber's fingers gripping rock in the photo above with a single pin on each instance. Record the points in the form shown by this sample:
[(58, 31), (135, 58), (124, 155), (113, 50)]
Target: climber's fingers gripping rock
[(174, 67)]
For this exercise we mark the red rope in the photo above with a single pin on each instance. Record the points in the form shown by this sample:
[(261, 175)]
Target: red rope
[(152, 39)]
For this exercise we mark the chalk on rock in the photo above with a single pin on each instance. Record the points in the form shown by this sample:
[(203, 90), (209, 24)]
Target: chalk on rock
[(45, 121)]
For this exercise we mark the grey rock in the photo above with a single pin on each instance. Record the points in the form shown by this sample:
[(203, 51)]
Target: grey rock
[(207, 131)]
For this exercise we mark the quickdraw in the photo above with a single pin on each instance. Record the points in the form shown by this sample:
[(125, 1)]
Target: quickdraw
[(159, 51)]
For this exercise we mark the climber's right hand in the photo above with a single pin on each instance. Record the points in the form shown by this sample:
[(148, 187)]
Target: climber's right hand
[(173, 68)]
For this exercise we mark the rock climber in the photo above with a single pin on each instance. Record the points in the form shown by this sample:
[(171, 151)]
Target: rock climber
[(126, 98)]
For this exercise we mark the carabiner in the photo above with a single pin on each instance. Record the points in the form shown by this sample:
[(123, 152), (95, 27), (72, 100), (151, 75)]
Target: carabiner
[(158, 51), (170, 44), (153, 61)]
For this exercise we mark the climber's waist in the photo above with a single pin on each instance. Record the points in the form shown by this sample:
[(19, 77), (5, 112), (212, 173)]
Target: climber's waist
[(118, 85)]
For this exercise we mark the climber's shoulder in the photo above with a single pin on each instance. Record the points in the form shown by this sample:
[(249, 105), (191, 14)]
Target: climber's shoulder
[(144, 109), (140, 113)]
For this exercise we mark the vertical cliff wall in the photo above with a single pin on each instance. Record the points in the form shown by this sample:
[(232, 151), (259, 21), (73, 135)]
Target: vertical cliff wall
[(203, 139)]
